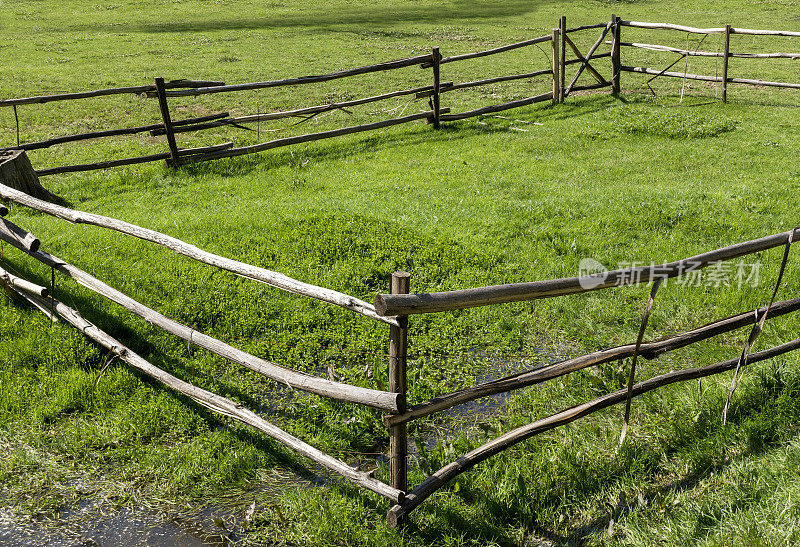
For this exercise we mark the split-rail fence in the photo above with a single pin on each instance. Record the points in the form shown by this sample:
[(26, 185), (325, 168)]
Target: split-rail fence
[(563, 54), (396, 308)]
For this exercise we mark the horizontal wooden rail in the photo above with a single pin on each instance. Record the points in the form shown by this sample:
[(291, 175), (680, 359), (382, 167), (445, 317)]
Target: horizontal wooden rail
[(268, 116), (589, 87), (667, 49), (493, 51), (469, 460), (390, 65), (703, 78), (388, 402), (670, 26), (407, 304), (696, 53), (25, 239), (139, 89), (585, 27), (217, 403), (11, 280), (286, 141), (498, 107), (113, 132), (274, 279), (649, 350), (595, 56), (498, 79), (715, 30), (102, 164), (431, 92), (188, 152), (756, 32)]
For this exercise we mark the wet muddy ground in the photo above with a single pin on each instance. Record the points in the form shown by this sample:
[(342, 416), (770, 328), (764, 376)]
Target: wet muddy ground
[(98, 522)]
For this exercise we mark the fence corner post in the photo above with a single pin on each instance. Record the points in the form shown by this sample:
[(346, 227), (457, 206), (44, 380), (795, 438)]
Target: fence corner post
[(162, 104), (725, 56), (556, 65), (616, 63), (436, 57), (398, 343)]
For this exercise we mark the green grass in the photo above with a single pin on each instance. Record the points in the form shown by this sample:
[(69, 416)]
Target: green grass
[(638, 178)]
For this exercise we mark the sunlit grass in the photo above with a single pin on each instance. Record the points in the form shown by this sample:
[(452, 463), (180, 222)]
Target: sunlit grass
[(639, 178)]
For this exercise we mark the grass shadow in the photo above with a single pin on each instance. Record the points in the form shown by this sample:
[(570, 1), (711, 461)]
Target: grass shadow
[(337, 150), (369, 16)]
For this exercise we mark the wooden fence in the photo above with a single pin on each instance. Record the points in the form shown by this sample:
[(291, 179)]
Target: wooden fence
[(400, 305), (395, 307), (394, 310), (725, 55), (563, 53), (562, 47)]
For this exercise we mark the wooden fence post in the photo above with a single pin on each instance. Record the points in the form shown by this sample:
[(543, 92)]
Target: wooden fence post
[(562, 32), (616, 64), (556, 66), (725, 57), (398, 343), (162, 104), (16, 120), (436, 84)]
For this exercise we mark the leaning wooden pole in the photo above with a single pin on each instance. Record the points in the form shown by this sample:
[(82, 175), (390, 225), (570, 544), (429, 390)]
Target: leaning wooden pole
[(398, 343), (587, 59), (579, 58), (388, 402), (164, 107), (726, 53), (217, 403)]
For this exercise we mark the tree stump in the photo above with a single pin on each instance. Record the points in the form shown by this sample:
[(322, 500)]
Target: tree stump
[(17, 172)]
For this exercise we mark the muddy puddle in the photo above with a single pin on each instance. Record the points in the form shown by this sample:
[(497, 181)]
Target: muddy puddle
[(90, 524), (98, 522)]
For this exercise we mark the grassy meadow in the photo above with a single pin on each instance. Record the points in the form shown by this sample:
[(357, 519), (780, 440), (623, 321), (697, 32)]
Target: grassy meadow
[(659, 173)]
